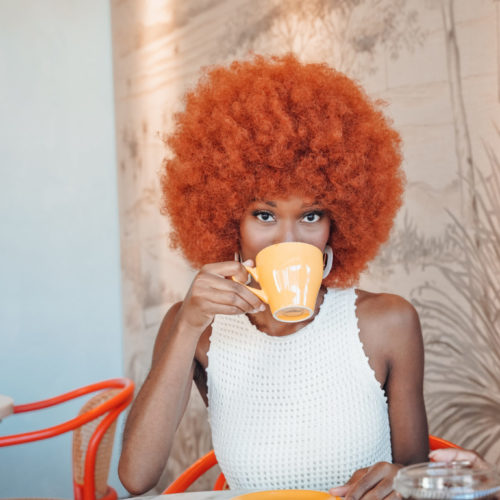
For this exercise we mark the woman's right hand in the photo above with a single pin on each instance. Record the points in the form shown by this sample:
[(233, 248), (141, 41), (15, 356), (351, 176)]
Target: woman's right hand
[(214, 292)]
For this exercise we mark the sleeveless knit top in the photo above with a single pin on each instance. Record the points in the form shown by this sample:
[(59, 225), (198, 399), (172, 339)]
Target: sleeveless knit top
[(303, 411)]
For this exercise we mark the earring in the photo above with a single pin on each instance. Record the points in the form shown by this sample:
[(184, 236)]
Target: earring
[(237, 258), (327, 260)]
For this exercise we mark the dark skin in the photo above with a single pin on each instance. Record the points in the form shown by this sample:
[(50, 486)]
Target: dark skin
[(389, 330)]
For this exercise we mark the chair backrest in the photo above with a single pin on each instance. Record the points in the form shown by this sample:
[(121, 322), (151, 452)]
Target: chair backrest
[(93, 434), (194, 471), (81, 439)]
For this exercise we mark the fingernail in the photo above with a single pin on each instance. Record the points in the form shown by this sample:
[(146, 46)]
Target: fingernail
[(248, 262), (262, 307)]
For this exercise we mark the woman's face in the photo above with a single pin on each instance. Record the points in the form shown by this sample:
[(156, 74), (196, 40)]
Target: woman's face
[(267, 222)]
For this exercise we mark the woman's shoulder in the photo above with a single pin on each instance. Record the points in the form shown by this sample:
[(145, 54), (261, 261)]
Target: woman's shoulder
[(386, 306), (388, 316)]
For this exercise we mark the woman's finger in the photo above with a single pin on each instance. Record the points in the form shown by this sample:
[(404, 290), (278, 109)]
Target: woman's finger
[(225, 309), (207, 283), (453, 454), (338, 491), (233, 299), (341, 491), (243, 276), (236, 270), (375, 483), (393, 495), (239, 290), (228, 269), (250, 297), (383, 488)]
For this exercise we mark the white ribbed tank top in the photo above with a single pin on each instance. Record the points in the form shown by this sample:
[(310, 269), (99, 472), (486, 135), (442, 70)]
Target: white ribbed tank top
[(300, 411)]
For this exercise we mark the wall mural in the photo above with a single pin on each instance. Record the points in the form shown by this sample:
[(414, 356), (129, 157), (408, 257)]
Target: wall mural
[(436, 63)]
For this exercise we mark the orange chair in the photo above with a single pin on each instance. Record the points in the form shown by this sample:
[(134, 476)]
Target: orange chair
[(193, 472), (93, 434), (436, 443)]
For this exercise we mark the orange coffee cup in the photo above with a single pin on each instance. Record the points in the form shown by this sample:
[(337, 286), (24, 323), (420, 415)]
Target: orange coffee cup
[(290, 276)]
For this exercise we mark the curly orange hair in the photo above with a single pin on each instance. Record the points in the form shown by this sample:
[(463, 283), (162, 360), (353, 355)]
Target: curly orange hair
[(272, 127)]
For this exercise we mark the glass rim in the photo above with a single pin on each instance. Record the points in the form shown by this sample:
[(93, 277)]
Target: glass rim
[(457, 480)]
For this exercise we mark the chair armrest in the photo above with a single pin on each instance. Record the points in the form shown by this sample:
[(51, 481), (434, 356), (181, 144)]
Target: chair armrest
[(122, 398)]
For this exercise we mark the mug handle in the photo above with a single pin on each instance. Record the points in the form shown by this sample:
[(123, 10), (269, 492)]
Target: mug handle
[(260, 293)]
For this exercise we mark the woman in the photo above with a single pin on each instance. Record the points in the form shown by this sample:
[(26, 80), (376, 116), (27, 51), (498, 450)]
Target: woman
[(268, 151)]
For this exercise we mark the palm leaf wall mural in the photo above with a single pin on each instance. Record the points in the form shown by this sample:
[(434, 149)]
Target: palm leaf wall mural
[(462, 331)]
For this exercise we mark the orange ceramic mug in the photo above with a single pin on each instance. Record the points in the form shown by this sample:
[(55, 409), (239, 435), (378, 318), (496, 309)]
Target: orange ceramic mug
[(290, 276)]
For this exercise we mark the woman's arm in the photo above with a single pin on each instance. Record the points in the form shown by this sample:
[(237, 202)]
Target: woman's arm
[(158, 407), (393, 342), (404, 386), (161, 402)]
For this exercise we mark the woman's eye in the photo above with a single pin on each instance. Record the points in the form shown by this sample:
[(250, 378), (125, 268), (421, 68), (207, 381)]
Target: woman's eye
[(312, 217), (264, 216)]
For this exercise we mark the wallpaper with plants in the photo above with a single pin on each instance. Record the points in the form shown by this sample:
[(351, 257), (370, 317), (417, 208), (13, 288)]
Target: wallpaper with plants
[(436, 64)]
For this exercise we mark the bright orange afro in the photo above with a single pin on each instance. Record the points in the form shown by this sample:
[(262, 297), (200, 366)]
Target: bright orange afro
[(272, 127)]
